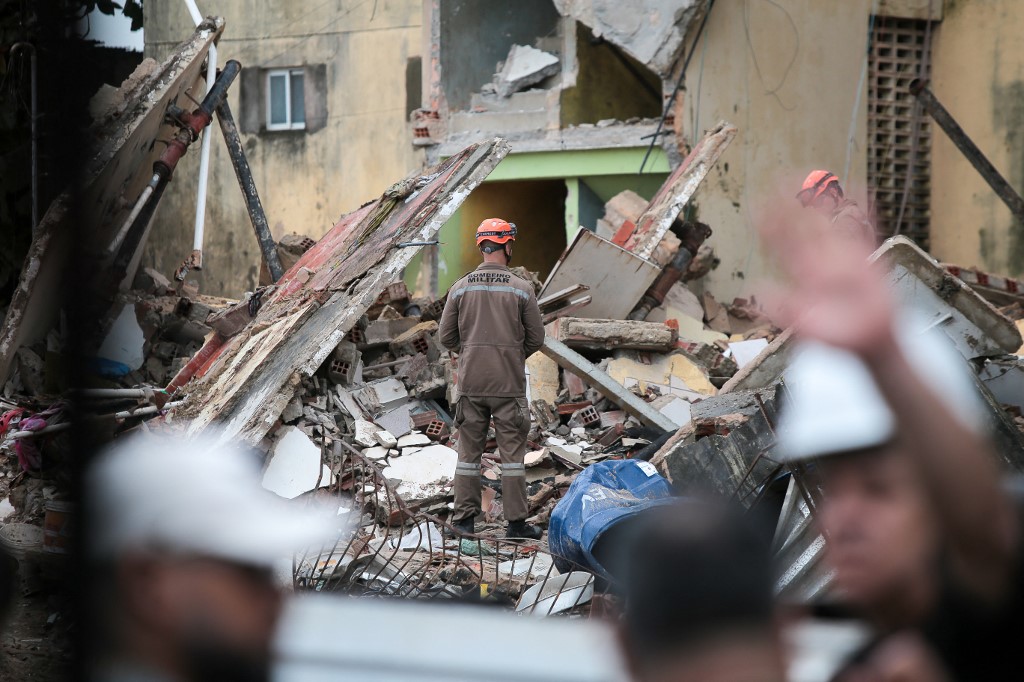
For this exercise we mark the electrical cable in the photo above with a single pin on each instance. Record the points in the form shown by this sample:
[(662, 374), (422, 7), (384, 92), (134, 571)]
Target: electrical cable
[(679, 84), (753, 55)]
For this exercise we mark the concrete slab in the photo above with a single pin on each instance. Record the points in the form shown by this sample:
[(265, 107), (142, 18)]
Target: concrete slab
[(295, 465), (525, 66)]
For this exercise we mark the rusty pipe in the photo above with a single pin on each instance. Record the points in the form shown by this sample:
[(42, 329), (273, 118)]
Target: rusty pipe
[(247, 183), (999, 185), (693, 235), (191, 124)]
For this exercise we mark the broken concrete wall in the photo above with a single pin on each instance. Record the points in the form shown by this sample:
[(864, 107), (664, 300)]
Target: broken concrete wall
[(477, 34), (780, 65), (652, 31), (608, 84), (362, 50)]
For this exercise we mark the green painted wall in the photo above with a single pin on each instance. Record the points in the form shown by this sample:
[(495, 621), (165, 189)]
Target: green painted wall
[(541, 192), (581, 163), (535, 206)]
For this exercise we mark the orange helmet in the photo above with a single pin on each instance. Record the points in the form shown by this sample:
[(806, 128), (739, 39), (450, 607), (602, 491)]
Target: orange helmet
[(496, 230), (816, 183)]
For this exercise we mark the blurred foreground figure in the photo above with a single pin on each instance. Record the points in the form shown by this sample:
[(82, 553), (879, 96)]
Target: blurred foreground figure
[(185, 541), (821, 190), (923, 541), (698, 586)]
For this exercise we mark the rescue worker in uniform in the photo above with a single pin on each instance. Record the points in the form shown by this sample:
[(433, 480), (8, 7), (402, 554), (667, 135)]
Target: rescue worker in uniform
[(822, 191), (492, 320)]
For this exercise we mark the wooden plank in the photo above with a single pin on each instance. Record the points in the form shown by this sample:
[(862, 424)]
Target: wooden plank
[(616, 277), (677, 191), (255, 375)]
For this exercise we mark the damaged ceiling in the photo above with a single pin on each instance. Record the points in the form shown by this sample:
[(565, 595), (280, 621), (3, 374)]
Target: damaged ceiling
[(651, 31)]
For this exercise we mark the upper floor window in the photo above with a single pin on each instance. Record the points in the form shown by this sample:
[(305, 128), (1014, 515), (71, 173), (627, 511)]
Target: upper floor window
[(286, 100), (278, 99)]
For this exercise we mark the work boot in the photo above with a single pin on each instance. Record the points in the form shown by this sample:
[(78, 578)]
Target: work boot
[(466, 526), (521, 529)]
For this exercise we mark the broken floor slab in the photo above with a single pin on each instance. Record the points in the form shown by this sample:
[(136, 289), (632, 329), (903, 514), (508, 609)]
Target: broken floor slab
[(249, 380), (645, 236), (295, 466), (524, 66), (673, 374), (423, 474), (731, 460)]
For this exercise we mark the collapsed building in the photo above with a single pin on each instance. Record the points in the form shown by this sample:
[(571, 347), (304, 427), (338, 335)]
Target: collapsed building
[(332, 369)]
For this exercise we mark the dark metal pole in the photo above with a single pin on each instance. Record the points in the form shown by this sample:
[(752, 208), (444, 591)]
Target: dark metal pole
[(248, 185), (967, 147)]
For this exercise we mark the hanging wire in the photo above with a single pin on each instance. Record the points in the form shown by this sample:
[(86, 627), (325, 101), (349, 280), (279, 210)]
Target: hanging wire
[(915, 128), (679, 85)]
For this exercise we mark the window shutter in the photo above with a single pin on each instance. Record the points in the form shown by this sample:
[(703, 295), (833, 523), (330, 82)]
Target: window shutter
[(251, 98), (316, 97)]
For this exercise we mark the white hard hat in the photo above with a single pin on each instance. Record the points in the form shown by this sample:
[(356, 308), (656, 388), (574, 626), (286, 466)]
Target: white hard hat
[(195, 496), (835, 406)]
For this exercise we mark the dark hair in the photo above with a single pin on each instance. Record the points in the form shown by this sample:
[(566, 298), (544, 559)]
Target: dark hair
[(694, 570), (487, 246)]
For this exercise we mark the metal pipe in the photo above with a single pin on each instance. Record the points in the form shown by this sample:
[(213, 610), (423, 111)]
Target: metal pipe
[(1002, 188), (100, 393), (204, 151), (136, 210), (34, 128), (142, 411), (18, 435), (405, 245), (193, 11), (248, 186), (136, 412), (204, 179), (136, 230), (192, 124)]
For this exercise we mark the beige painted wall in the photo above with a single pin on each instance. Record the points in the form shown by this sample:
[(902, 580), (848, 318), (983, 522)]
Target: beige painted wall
[(792, 117), (978, 75), (306, 181)]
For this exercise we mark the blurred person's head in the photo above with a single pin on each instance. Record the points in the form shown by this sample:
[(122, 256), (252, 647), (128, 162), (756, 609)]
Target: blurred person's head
[(882, 532), (883, 538), (185, 541), (697, 582)]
